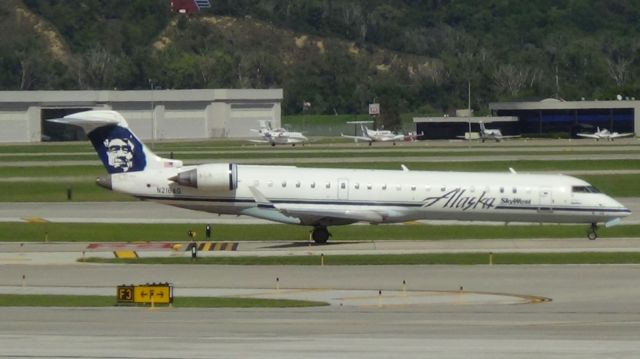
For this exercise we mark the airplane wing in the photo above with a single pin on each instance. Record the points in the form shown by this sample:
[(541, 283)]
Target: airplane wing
[(618, 135), (342, 216), (295, 215), (368, 139), (588, 135), (260, 141), (508, 137), (295, 140)]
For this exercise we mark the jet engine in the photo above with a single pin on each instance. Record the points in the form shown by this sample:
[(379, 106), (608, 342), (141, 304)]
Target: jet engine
[(215, 177)]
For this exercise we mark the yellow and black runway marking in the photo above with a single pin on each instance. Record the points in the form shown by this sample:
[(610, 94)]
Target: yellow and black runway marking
[(213, 246)]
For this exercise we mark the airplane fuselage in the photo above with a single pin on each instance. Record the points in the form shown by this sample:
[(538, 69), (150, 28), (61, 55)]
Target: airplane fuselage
[(385, 196), (324, 196)]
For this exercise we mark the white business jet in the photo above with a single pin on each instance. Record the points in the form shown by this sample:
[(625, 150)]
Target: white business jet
[(376, 135), (321, 197), (278, 136), (492, 134), (605, 134)]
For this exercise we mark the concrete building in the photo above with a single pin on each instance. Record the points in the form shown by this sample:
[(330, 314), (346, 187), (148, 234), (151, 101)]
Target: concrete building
[(152, 114), (557, 117)]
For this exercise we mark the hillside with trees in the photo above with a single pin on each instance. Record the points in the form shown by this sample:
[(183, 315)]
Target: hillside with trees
[(412, 56)]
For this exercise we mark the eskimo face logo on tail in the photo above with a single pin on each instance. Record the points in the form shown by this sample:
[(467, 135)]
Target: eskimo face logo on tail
[(120, 153), (119, 150)]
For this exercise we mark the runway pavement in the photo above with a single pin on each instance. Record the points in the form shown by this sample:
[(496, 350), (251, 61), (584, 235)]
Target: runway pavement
[(419, 312), (593, 313)]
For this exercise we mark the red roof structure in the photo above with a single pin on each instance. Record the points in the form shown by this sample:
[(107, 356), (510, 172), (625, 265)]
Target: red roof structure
[(189, 6)]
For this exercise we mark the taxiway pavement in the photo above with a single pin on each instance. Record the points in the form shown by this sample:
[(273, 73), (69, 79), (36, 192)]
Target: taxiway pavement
[(594, 313)]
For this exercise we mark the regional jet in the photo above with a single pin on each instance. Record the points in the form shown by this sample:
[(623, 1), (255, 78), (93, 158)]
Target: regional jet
[(605, 134), (322, 197), (278, 136), (376, 135)]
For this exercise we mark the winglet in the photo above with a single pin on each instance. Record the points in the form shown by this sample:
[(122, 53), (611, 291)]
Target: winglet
[(512, 171), (404, 168)]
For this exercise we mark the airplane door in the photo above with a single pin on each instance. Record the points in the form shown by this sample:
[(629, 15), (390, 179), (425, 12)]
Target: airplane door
[(545, 200), (343, 188)]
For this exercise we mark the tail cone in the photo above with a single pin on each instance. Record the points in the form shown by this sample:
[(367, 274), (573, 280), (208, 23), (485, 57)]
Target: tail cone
[(104, 182)]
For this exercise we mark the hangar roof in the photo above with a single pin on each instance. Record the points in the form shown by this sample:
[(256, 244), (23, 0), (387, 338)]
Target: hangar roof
[(474, 119), (555, 104), (208, 95)]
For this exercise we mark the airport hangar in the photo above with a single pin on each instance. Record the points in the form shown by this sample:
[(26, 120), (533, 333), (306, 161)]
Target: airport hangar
[(546, 118), (152, 114)]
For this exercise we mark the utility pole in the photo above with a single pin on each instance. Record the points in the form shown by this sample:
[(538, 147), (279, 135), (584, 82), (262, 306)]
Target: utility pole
[(153, 116)]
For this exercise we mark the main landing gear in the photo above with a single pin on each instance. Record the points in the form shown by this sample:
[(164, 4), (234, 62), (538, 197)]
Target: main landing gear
[(592, 233), (320, 234)]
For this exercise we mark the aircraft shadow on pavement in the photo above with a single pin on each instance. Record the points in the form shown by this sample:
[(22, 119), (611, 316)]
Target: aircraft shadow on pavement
[(307, 244)]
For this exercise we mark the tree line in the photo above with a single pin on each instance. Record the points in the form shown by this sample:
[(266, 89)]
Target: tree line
[(413, 56)]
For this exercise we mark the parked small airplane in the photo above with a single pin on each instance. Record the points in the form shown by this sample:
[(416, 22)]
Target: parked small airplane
[(492, 134), (605, 134), (320, 197), (376, 135), (278, 136)]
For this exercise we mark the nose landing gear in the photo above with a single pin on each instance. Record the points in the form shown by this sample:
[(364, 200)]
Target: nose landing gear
[(592, 233), (320, 234)]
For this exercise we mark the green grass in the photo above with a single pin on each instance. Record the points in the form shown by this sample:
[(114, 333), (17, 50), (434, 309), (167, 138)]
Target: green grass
[(20, 300), (299, 152), (86, 191), (117, 232), (615, 185), (52, 171), (400, 259), (27, 300), (488, 166)]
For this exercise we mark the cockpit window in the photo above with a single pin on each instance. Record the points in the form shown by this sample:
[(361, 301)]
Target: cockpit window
[(584, 189)]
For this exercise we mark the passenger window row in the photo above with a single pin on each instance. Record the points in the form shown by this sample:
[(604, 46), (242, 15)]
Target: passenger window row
[(427, 188)]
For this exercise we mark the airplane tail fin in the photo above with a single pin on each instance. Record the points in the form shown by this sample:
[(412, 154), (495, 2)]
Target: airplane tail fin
[(482, 128), (118, 148)]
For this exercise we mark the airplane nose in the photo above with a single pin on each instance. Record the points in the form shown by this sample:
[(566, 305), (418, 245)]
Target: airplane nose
[(624, 211)]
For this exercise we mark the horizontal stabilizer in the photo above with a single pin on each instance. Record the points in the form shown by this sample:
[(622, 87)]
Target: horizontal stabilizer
[(90, 120)]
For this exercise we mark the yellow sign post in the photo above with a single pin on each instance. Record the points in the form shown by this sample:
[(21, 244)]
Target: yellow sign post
[(154, 293)]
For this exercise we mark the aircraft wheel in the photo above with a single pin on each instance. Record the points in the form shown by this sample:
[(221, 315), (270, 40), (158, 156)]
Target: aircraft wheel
[(592, 234), (273, 145), (320, 235)]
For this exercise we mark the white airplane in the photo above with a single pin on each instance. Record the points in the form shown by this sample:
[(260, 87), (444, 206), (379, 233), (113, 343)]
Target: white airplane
[(376, 135), (322, 197), (605, 134), (490, 134), (278, 136)]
